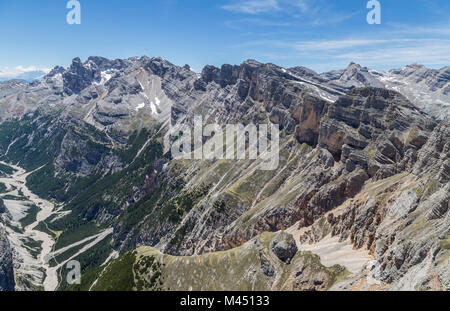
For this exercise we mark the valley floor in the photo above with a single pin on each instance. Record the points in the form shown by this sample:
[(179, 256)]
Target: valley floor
[(33, 249)]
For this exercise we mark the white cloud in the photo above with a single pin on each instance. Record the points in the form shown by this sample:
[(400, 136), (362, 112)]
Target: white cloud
[(431, 52), (19, 71), (266, 6), (438, 30), (333, 18), (253, 6), (376, 53), (328, 45), (314, 12), (239, 24), (315, 45)]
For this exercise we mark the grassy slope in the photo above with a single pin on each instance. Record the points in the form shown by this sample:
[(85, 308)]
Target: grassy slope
[(237, 269)]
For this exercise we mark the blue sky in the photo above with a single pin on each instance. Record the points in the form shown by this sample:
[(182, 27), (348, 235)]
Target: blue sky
[(320, 34)]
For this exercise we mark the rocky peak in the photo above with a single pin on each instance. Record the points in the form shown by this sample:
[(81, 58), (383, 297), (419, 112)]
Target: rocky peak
[(303, 71), (79, 76), (226, 75), (358, 76), (100, 62), (416, 73), (55, 71), (158, 65), (355, 67)]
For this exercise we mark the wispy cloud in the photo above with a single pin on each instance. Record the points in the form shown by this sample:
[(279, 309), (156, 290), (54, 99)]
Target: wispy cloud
[(383, 53), (333, 18), (293, 7), (304, 6), (431, 52), (253, 7), (402, 29), (315, 45), (313, 12), (332, 45), (239, 24)]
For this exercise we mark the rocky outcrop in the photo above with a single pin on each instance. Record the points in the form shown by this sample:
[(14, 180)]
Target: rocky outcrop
[(434, 157), (7, 282), (284, 247), (2, 206)]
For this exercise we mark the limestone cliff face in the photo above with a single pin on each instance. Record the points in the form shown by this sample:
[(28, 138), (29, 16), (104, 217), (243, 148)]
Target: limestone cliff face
[(403, 220)]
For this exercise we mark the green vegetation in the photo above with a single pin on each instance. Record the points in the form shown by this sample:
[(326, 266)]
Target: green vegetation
[(30, 217), (23, 282), (413, 133), (43, 227), (42, 148), (136, 141), (370, 152), (6, 170), (445, 244), (115, 188), (44, 183), (138, 211), (90, 260), (148, 266), (76, 234), (2, 188), (67, 254), (177, 208), (181, 234), (87, 280), (117, 276), (13, 198), (33, 246)]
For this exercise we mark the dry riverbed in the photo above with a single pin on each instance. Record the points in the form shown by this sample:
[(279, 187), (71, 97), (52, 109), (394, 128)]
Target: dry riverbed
[(33, 249)]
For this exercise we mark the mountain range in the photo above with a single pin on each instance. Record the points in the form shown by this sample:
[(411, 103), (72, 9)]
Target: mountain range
[(28, 76), (359, 201)]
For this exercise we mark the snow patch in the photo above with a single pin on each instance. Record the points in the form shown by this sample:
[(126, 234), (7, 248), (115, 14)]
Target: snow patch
[(139, 107), (106, 75), (153, 108)]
